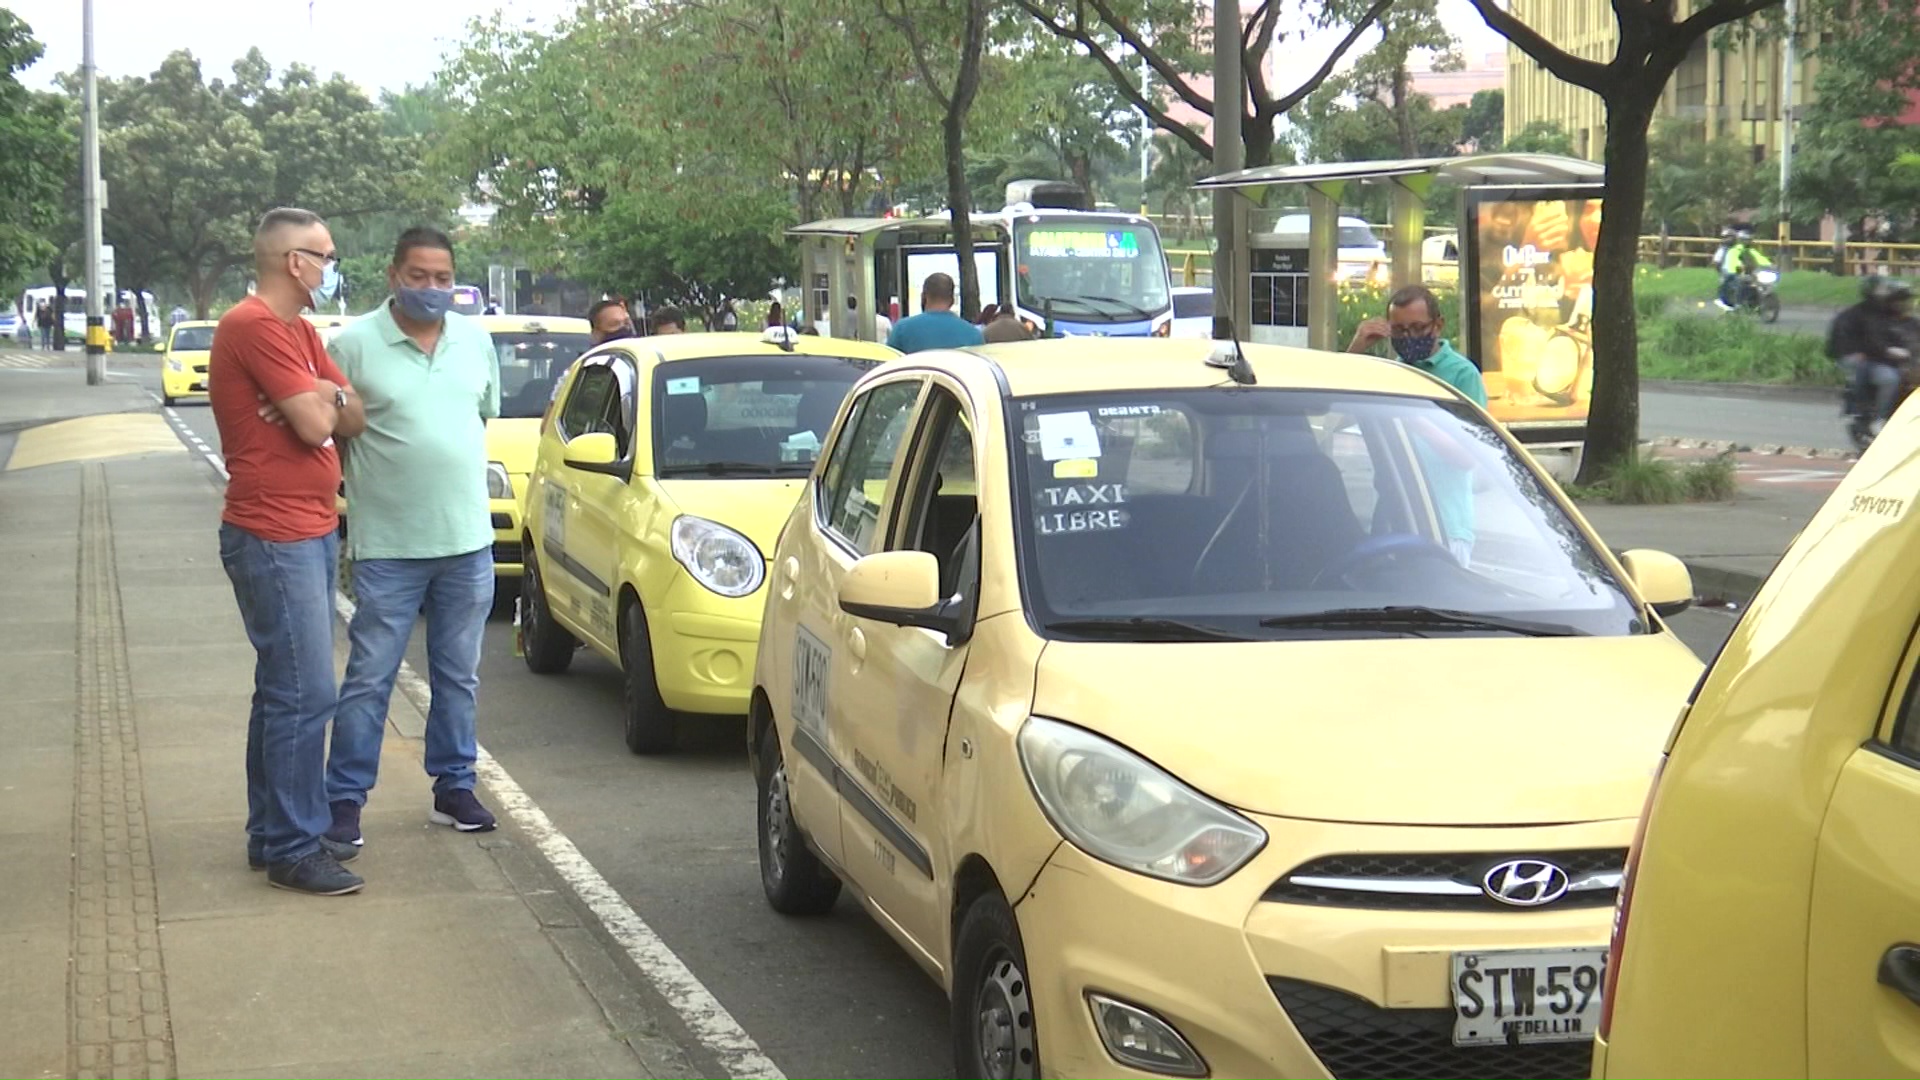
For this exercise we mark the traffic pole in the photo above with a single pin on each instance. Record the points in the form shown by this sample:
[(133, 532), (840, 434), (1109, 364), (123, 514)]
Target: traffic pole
[(90, 200)]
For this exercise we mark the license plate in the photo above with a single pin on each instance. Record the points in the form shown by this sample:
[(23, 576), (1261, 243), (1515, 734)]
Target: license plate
[(1527, 996)]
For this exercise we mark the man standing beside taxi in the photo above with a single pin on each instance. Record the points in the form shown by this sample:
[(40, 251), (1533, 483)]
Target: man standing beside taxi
[(419, 531), (1416, 329), (279, 403)]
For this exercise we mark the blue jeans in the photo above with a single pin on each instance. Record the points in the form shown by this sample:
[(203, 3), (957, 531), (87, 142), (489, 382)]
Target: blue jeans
[(1871, 388), (285, 592), (457, 593)]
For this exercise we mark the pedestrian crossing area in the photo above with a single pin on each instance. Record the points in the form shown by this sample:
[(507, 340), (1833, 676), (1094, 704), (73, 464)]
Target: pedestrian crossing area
[(30, 361)]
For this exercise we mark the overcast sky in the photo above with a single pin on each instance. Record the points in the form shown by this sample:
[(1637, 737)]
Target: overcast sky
[(380, 44)]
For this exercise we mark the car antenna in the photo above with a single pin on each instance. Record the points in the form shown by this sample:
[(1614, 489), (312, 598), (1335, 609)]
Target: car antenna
[(1227, 354)]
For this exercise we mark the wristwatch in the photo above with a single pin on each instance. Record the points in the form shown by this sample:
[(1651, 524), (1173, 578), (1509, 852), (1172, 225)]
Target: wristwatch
[(339, 398)]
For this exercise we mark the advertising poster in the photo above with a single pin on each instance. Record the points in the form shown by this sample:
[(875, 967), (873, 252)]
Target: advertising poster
[(1532, 301)]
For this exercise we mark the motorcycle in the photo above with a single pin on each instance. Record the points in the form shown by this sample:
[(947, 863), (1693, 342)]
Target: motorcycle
[(1755, 294)]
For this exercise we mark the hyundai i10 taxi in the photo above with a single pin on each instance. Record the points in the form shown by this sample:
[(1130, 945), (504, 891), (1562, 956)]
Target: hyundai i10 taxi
[(1188, 711), (183, 369), (534, 351), (665, 470)]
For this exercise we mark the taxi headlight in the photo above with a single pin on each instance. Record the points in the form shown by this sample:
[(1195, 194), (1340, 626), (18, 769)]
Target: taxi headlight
[(173, 363), (716, 556), (499, 484), (1122, 809)]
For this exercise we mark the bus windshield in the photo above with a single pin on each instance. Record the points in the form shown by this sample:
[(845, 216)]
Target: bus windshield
[(1094, 271)]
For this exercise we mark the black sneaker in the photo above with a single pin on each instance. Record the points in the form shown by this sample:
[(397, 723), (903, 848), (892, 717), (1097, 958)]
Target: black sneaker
[(319, 874), (342, 853), (346, 823), (461, 810)]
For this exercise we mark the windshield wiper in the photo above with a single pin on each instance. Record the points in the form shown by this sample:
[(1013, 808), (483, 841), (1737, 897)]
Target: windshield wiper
[(736, 468), (1041, 302), (1423, 617), (1139, 628), (1135, 308)]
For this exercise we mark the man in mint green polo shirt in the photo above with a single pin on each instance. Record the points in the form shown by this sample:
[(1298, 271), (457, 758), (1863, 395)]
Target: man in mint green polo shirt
[(419, 530), (1414, 326)]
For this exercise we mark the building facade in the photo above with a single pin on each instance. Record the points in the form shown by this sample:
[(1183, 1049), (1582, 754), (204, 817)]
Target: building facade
[(1731, 93)]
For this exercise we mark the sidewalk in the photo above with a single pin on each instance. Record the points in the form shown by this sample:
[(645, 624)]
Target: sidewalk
[(1729, 547), (133, 939)]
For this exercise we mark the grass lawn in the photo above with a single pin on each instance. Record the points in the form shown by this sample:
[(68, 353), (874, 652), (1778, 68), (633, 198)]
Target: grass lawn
[(1812, 288)]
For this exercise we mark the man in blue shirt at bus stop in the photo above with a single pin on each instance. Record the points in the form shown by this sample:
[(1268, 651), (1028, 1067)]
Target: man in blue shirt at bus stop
[(1414, 326), (936, 327)]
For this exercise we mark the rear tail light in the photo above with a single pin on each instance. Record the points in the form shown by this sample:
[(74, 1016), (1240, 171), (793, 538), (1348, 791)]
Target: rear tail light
[(1623, 908)]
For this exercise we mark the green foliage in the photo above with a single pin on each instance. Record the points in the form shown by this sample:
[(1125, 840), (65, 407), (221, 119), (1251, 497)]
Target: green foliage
[(1697, 284), (1727, 347), (1360, 303), (1540, 137), (682, 248), (1694, 184), (42, 152), (1485, 123), (1850, 143), (1646, 479)]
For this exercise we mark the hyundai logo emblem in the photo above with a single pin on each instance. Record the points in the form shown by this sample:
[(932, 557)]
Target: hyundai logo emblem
[(1525, 882)]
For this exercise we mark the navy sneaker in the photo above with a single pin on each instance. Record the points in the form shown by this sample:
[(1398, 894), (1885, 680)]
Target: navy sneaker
[(319, 874), (342, 853), (461, 810), (346, 823)]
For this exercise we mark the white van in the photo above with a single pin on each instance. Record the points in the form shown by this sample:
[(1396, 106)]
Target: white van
[(1363, 255)]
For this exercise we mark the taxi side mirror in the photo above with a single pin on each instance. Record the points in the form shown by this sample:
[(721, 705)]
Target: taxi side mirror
[(1662, 580), (897, 587), (595, 451)]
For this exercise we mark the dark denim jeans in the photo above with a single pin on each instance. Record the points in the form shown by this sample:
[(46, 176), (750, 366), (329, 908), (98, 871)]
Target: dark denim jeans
[(285, 592), (457, 594)]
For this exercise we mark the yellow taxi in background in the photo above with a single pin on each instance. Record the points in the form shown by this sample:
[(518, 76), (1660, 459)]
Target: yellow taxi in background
[(183, 369), (535, 351), (1770, 924), (664, 472), (1189, 713), (328, 324)]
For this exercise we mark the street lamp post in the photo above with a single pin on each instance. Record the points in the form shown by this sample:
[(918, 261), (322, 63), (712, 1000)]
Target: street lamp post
[(90, 200)]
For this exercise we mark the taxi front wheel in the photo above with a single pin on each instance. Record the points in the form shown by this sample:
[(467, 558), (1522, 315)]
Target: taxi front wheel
[(795, 880), (548, 648), (649, 725), (993, 1025)]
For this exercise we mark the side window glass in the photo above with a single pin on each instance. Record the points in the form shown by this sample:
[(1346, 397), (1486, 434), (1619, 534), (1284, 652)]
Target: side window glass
[(1906, 729), (587, 406), (617, 417), (944, 501), (858, 491)]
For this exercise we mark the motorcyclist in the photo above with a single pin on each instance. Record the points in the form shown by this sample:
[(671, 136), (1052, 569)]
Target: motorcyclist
[(1740, 259), (1874, 342), (1720, 260)]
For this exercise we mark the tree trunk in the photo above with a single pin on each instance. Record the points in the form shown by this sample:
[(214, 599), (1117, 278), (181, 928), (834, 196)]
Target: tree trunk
[(960, 200), (1666, 245), (1257, 136), (201, 284), (1613, 419), (140, 305), (1403, 110)]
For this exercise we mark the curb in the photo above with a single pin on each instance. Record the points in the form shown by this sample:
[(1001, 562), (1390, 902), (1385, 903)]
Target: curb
[(1726, 446), (1757, 391), (1717, 584)]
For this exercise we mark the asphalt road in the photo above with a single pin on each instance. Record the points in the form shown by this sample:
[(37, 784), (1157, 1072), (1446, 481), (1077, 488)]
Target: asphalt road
[(824, 997), (1750, 421)]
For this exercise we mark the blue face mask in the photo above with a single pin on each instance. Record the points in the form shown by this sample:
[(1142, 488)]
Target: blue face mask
[(329, 285), (424, 305), (1416, 349)]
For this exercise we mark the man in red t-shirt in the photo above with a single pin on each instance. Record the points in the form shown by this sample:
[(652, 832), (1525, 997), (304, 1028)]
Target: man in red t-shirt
[(280, 403)]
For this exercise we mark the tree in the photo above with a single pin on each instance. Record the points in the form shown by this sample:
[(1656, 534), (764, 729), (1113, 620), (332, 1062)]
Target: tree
[(1694, 184), (41, 160), (1850, 137), (1074, 116), (1485, 123), (1650, 41), (1115, 31), (1540, 137), (1383, 73), (931, 28), (687, 249), (1331, 127)]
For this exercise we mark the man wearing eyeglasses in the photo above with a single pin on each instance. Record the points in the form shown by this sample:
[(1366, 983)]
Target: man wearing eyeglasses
[(280, 403), (1414, 327)]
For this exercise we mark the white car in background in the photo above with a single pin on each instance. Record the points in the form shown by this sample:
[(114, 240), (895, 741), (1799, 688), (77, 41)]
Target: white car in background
[(1192, 312), (1363, 257)]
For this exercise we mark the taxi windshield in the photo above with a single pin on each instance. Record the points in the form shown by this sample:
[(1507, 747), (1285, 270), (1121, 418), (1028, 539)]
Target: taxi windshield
[(1093, 271), (193, 339), (747, 416), (1249, 513), (529, 364)]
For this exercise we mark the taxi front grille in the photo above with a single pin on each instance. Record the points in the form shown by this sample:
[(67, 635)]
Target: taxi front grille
[(1441, 881), (1353, 1037)]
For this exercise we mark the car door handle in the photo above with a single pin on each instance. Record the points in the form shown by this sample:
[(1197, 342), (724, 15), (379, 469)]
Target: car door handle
[(1900, 969)]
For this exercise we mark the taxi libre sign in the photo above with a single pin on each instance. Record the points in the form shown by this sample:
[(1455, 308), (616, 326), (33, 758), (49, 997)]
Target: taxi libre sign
[(1529, 290)]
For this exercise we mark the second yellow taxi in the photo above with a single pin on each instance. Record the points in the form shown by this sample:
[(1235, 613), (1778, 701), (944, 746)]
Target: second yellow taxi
[(1193, 713), (534, 351), (665, 470), (183, 368)]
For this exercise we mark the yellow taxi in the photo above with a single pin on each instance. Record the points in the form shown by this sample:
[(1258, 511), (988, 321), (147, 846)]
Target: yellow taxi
[(1770, 923), (664, 472), (183, 368), (535, 351), (1194, 712)]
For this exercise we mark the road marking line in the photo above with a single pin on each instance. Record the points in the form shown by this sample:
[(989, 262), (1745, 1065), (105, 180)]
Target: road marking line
[(704, 1016)]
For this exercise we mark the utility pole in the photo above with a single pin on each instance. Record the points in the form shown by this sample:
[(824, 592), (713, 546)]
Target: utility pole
[(1229, 155), (1788, 61), (90, 200)]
